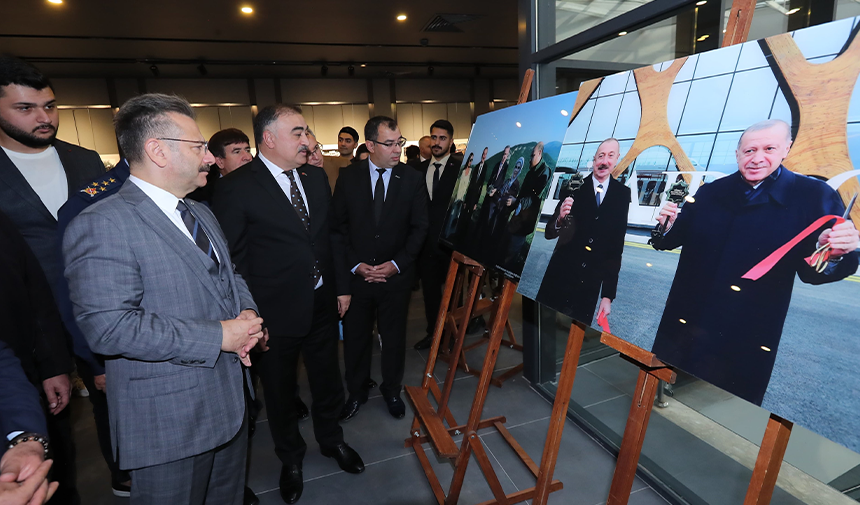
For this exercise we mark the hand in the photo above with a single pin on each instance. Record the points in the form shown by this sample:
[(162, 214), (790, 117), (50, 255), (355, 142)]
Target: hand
[(32, 491), (843, 239), (364, 270), (262, 344), (564, 210), (21, 461), (343, 304), (509, 201), (101, 383), (605, 307), (491, 192), (668, 214), (384, 271), (240, 336), (57, 389), (474, 207)]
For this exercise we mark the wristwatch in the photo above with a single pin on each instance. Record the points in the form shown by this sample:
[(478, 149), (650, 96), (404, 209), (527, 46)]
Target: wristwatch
[(27, 437)]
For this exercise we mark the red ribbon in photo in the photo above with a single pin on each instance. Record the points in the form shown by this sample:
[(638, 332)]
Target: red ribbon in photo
[(766, 264), (602, 322)]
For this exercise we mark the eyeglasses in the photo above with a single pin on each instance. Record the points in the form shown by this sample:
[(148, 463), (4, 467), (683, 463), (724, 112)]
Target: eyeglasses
[(200, 143), (391, 143), (317, 148)]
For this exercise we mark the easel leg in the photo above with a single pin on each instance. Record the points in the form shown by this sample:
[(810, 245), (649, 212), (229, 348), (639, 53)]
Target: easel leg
[(634, 436), (559, 413), (769, 460)]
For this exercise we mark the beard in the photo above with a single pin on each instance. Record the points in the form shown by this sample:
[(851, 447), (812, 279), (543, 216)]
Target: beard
[(28, 139)]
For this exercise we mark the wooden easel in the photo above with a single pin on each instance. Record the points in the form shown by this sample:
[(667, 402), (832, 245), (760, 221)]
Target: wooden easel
[(652, 370)]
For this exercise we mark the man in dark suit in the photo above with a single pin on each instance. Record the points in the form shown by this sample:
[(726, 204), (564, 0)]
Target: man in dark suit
[(380, 210), (479, 237), (716, 325), (153, 288), (590, 227), (473, 194), (231, 149), (22, 422), (275, 214), (440, 176), (38, 173)]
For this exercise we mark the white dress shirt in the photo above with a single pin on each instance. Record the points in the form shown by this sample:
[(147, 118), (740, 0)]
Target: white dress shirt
[(430, 168), (386, 178), (166, 201), (284, 182), (597, 190)]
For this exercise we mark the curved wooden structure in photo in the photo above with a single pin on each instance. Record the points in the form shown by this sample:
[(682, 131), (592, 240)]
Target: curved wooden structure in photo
[(823, 95), (586, 89), (654, 88)]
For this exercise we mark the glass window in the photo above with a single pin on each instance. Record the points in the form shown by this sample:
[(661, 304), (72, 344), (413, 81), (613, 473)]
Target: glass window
[(854, 107), (698, 148), (628, 117), (577, 130), (705, 104), (686, 72), (676, 104), (823, 40), (723, 158), (854, 143), (847, 9), (613, 84), (568, 157), (751, 56), (604, 118), (781, 110), (718, 62), (750, 99), (575, 16), (641, 47)]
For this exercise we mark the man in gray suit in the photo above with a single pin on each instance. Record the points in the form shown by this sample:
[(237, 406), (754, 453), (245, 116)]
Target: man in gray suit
[(153, 289)]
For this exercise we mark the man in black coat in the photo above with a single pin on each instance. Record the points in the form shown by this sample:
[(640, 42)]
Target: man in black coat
[(590, 227), (275, 214), (380, 210), (716, 325), (440, 176), (524, 207), (473, 194), (38, 173), (479, 237)]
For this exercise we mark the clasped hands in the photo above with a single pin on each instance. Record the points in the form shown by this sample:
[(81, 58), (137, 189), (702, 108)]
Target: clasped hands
[(24, 476), (242, 334), (377, 273)]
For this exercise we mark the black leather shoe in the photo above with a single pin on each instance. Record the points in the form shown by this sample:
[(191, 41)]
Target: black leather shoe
[(301, 409), (396, 407), (251, 498), (347, 459), (424, 343), (370, 384), (350, 408), (291, 483)]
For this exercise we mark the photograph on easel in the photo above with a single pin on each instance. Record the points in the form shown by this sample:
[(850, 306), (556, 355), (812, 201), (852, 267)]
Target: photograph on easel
[(701, 208), (505, 175)]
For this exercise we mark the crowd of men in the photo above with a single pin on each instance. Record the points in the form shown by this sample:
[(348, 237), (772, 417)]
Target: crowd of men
[(192, 270)]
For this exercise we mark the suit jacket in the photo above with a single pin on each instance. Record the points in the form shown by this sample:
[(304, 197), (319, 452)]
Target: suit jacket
[(35, 222), (437, 208), (205, 193), (19, 400), (28, 315), (476, 184), (401, 231), (576, 276), (333, 165), (723, 235), (272, 249), (150, 300)]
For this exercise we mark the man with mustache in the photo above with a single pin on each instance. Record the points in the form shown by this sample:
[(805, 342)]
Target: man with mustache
[(589, 227), (38, 173)]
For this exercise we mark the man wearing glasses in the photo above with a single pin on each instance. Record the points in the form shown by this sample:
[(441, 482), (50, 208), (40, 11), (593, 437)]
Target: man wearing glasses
[(380, 211)]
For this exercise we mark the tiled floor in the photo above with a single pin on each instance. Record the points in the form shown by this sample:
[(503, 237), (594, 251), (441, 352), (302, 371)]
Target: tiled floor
[(393, 474)]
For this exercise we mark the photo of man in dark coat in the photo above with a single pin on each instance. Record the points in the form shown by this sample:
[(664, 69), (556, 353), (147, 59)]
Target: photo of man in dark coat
[(717, 326)]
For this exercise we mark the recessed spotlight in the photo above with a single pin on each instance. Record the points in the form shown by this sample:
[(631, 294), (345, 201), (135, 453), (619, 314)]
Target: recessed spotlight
[(363, 65), (401, 17), (55, 2), (563, 112), (792, 11), (703, 37), (701, 2), (247, 10), (682, 321), (621, 34), (765, 348), (735, 288)]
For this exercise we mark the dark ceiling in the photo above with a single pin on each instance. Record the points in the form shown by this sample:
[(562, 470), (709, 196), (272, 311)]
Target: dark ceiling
[(120, 38)]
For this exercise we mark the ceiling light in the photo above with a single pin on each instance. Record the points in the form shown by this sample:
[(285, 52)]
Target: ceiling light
[(401, 17), (621, 34), (682, 321), (56, 2), (792, 11), (765, 348), (363, 65), (247, 10), (703, 37), (701, 3), (735, 288)]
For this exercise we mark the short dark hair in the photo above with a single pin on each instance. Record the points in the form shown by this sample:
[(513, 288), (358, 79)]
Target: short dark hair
[(443, 124), (269, 114), (144, 117), (225, 138), (17, 71), (371, 129), (412, 152), (358, 152), (350, 131)]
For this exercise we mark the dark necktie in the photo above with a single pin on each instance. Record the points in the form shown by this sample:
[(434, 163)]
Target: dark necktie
[(599, 194), (435, 179), (197, 231), (378, 196), (302, 211)]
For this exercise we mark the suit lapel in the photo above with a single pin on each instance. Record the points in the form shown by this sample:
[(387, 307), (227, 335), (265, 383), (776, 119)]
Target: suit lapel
[(73, 178), (153, 217), (11, 176), (282, 202)]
